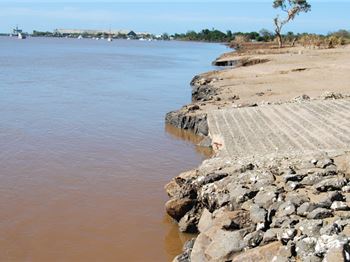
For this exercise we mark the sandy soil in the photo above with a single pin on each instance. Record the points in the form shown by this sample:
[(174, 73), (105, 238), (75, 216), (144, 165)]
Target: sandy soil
[(288, 74)]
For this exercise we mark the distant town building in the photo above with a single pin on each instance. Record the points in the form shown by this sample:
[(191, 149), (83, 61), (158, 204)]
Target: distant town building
[(126, 32)]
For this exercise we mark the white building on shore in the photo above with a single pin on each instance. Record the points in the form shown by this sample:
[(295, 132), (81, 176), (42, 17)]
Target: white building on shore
[(94, 32)]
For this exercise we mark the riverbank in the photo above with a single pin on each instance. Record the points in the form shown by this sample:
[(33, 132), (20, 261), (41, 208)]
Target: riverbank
[(278, 186)]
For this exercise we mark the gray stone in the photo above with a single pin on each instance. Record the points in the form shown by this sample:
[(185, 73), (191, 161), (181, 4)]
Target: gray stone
[(206, 221), (327, 243), (331, 229), (310, 228), (326, 199), (285, 209), (271, 235), (285, 222), (258, 214), (306, 208), (291, 186), (346, 189), (319, 213), (266, 196), (253, 239), (323, 163), (305, 247), (293, 177), (297, 198), (331, 184), (225, 243), (339, 206), (287, 235), (188, 223)]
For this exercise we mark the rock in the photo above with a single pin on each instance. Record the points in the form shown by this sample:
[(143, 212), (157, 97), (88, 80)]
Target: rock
[(305, 247), (306, 208), (186, 255), (331, 95), (331, 229), (247, 205), (206, 142), (287, 235), (310, 228), (327, 244), (178, 207), (263, 254), (226, 243), (312, 179), (302, 98), (339, 206), (326, 199), (271, 235), (291, 186), (266, 196), (319, 213), (253, 239), (201, 243), (188, 223), (297, 198), (172, 188), (285, 209), (331, 184), (193, 107), (257, 214), (203, 92), (285, 222), (293, 177), (210, 178), (233, 220), (346, 189), (206, 221), (323, 163), (182, 119)]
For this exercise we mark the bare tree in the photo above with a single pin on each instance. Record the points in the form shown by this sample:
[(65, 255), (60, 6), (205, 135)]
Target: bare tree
[(292, 8)]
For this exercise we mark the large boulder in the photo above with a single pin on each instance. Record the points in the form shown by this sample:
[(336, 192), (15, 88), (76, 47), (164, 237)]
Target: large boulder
[(178, 207)]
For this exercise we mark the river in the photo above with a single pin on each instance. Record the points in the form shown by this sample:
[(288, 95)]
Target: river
[(84, 153)]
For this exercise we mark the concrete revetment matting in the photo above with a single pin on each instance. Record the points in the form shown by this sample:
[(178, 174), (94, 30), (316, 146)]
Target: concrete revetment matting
[(318, 125)]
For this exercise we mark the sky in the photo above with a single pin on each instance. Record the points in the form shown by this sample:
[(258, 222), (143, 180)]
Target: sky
[(159, 16)]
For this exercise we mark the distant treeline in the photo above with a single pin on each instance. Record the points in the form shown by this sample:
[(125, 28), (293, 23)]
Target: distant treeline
[(263, 35)]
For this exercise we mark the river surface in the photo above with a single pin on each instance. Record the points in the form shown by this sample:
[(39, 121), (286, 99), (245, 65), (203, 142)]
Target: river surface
[(84, 153)]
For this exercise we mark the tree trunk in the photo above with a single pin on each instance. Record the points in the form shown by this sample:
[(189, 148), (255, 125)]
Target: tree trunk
[(279, 39)]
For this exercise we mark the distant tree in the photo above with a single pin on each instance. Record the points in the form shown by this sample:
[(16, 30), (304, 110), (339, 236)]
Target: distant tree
[(266, 35), (292, 8), (341, 33), (165, 36), (229, 35)]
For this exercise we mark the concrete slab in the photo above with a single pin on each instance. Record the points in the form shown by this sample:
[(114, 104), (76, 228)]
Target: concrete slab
[(291, 128)]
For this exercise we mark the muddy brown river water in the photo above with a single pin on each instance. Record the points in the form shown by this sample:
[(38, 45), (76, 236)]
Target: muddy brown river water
[(84, 153)]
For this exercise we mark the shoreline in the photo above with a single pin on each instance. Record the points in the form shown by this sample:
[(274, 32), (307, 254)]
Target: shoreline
[(228, 199)]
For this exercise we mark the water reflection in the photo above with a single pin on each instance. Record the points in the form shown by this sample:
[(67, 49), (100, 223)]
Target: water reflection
[(189, 136)]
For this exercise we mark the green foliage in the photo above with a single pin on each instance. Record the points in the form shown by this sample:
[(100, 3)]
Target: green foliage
[(291, 8), (42, 34), (206, 35)]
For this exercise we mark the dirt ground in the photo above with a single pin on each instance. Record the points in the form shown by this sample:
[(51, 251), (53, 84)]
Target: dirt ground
[(283, 75)]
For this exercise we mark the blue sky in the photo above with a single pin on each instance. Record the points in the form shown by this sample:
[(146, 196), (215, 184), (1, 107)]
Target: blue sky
[(166, 16)]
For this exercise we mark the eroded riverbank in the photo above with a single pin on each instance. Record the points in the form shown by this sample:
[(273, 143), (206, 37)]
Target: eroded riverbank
[(278, 185)]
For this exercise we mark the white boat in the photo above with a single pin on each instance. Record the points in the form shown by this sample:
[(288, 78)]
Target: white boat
[(21, 36), (80, 37), (110, 39)]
